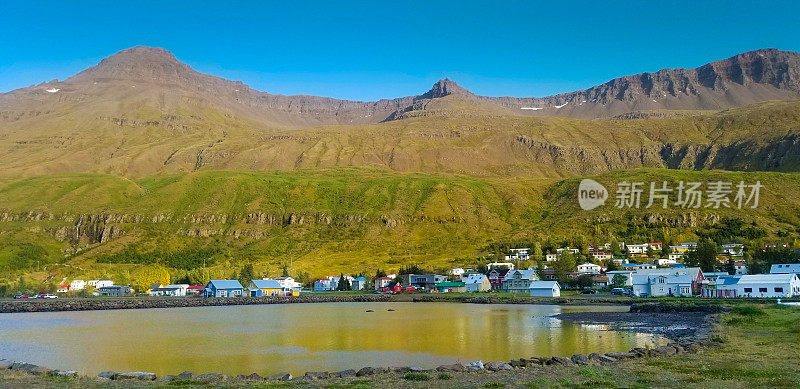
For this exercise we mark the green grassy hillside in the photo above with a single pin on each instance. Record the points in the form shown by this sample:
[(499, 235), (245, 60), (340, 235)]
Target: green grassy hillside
[(332, 220)]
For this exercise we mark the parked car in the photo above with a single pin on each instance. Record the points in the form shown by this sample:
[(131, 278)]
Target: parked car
[(20, 296), (588, 291), (618, 291), (46, 296)]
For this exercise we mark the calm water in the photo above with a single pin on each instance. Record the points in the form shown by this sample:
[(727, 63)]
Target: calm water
[(300, 337)]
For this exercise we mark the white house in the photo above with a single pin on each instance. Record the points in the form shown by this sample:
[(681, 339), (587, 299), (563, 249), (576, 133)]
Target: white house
[(589, 268), (97, 284), (477, 283), (655, 246), (664, 261), (601, 255), (656, 285), (675, 256), (176, 290), (785, 268), (638, 248), (544, 289), (551, 257), (457, 272), (77, 285), (733, 249), (287, 283), (764, 285), (554, 257), (493, 265), (520, 254)]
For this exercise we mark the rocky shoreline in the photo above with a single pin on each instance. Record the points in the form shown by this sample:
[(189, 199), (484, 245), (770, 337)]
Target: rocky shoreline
[(704, 320), (92, 304)]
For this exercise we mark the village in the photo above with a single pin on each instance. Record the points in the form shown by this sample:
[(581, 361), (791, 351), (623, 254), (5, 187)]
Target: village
[(637, 273)]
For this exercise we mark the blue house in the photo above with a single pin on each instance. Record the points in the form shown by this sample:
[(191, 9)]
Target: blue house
[(223, 288), (359, 283)]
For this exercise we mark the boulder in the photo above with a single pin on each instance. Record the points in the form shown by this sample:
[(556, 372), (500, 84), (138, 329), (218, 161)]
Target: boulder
[(678, 348), (365, 371), (559, 361), (580, 359), (601, 359), (137, 375), (399, 369), (414, 369), (622, 355), (212, 377), (453, 367), (497, 366), (169, 378), (344, 373), (316, 375), (251, 377), (640, 352), (475, 366), (186, 375), (279, 377), (107, 375), (535, 361), (30, 368), (664, 351), (64, 373)]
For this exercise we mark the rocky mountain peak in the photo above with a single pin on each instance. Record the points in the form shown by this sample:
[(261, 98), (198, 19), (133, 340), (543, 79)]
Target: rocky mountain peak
[(149, 64), (445, 87)]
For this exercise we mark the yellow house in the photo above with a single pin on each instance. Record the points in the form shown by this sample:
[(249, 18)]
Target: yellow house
[(261, 288)]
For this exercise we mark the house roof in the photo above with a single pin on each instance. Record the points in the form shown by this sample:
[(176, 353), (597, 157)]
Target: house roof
[(542, 284), (226, 284), (525, 274), (360, 279), (766, 278), (501, 271), (474, 279), (266, 284), (196, 287), (780, 268)]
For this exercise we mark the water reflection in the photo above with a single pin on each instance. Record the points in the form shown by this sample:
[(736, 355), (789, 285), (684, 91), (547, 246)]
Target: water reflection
[(300, 337)]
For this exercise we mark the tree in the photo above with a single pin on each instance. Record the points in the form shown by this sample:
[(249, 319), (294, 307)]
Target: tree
[(537, 255), (142, 278), (650, 252), (380, 273), (618, 281), (584, 281), (285, 271), (246, 275), (612, 266), (344, 283), (703, 256), (564, 264)]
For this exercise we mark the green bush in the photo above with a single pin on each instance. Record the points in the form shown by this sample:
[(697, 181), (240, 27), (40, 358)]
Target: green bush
[(748, 310), (444, 376), (416, 377)]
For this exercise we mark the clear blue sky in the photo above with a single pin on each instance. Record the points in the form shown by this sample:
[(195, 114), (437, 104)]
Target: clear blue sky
[(372, 49)]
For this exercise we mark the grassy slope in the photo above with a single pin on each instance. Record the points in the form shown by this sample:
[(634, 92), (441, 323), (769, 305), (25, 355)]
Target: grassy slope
[(377, 218)]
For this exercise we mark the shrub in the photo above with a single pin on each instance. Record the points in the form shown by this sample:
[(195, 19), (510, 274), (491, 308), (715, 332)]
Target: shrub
[(444, 376), (748, 310), (416, 377)]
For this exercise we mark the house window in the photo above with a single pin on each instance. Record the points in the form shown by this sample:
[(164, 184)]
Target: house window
[(748, 290), (778, 290), (762, 290)]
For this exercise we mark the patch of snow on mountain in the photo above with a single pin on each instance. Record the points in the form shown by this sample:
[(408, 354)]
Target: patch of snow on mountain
[(54, 90), (532, 108)]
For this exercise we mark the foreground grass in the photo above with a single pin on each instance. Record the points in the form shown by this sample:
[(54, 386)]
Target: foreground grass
[(758, 349)]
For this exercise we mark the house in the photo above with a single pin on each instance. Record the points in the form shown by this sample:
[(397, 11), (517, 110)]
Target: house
[(496, 277), (325, 285), (178, 290), (223, 288), (195, 290), (638, 248), (500, 265), (740, 267), (77, 285), (763, 285), (544, 289), (676, 256), (457, 272), (664, 262), (451, 287), (97, 284), (679, 249), (360, 283), (733, 249), (662, 284), (697, 277), (113, 291), (426, 281), (713, 277), (589, 268), (655, 246), (601, 255), (520, 254), (153, 287), (63, 289), (262, 288), (382, 282), (785, 268), (600, 281), (477, 283), (518, 281), (288, 283)]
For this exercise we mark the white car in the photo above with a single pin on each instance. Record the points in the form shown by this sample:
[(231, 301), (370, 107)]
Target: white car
[(46, 296)]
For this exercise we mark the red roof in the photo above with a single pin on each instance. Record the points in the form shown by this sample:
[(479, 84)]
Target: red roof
[(65, 286)]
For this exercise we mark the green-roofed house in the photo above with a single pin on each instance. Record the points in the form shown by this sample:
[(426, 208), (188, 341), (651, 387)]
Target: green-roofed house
[(451, 287)]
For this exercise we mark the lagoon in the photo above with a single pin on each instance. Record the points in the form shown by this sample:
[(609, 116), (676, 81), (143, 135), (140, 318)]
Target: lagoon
[(296, 338)]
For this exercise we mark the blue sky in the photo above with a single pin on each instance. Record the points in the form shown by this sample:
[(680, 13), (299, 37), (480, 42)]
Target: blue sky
[(374, 49)]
